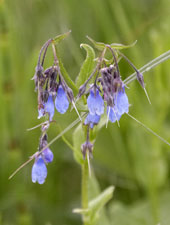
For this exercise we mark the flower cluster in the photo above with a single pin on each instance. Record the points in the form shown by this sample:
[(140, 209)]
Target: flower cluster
[(53, 92), (106, 94), (39, 169)]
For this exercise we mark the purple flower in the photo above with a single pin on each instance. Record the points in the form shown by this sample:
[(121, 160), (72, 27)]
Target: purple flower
[(39, 171), (92, 120), (95, 103), (47, 155), (49, 107), (61, 101), (121, 106)]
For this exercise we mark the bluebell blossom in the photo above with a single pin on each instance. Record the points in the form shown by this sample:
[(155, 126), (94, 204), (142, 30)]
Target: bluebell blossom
[(39, 171), (61, 101), (92, 120), (48, 155), (49, 107), (121, 102), (95, 103), (121, 106)]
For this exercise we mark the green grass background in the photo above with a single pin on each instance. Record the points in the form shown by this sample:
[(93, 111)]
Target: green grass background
[(130, 158)]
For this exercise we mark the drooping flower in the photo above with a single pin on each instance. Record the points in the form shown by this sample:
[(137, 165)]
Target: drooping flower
[(61, 101), (121, 102), (92, 120), (113, 114), (49, 107), (95, 103), (39, 171), (48, 155), (121, 106)]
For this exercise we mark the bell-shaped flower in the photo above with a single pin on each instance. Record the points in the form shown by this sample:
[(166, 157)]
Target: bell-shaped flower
[(48, 155), (39, 171), (113, 114), (121, 106), (49, 107), (92, 120), (121, 102), (95, 103), (61, 101)]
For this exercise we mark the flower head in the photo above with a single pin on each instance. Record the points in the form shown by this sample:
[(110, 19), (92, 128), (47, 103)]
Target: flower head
[(39, 171), (95, 103), (61, 101), (121, 106), (92, 120)]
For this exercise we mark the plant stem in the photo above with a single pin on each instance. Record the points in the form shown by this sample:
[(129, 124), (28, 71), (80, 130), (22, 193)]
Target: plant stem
[(84, 190)]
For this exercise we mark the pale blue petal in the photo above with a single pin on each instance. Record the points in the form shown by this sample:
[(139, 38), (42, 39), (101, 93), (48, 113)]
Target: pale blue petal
[(49, 107), (61, 101), (48, 155), (39, 171), (95, 103), (113, 114), (92, 120), (122, 102)]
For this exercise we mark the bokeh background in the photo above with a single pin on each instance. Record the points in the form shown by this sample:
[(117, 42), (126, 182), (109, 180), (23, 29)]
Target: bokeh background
[(129, 157)]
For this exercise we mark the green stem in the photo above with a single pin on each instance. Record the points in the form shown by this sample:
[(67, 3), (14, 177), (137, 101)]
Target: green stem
[(84, 189)]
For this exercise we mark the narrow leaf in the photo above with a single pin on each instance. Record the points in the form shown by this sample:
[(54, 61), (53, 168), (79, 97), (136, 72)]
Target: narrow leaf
[(87, 66), (61, 37), (98, 203), (100, 45)]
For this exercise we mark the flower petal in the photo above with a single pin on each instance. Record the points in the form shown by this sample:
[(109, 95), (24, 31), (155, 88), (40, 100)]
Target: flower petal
[(61, 101), (49, 107), (122, 102), (92, 120), (39, 171), (95, 103), (48, 155)]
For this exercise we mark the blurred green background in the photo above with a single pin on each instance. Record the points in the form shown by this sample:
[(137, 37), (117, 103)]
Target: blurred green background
[(130, 158)]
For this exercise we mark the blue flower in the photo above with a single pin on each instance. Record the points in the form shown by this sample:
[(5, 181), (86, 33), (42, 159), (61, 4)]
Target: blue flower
[(47, 155), (49, 107), (61, 101), (41, 113), (92, 120), (121, 106), (113, 114), (122, 103), (95, 103), (39, 171)]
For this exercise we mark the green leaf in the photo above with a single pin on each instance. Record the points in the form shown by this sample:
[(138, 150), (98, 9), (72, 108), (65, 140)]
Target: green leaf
[(98, 203), (100, 45), (61, 37), (95, 213), (87, 66), (65, 74)]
